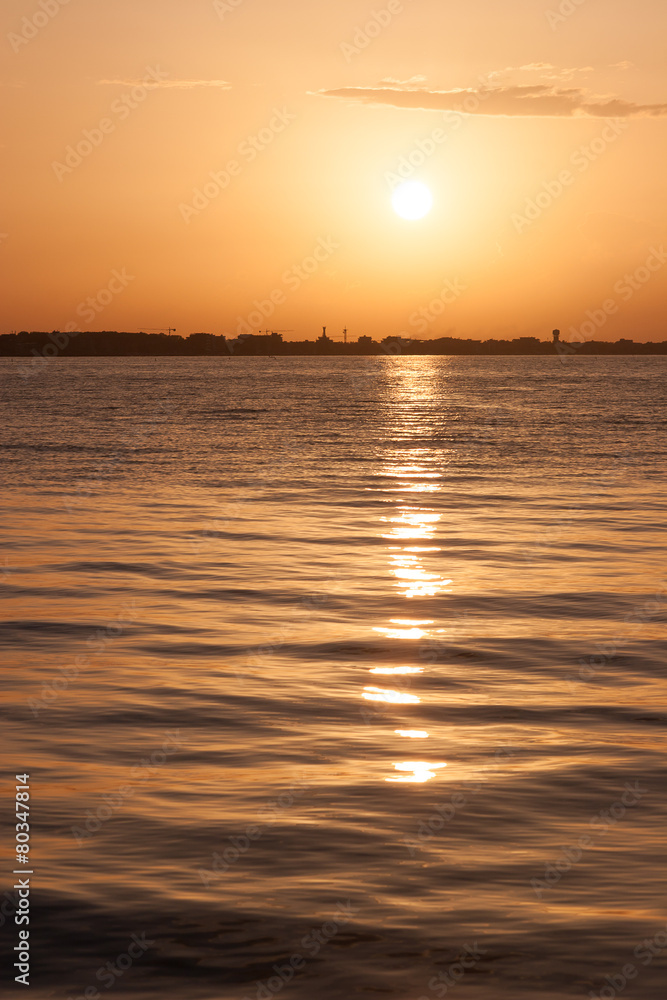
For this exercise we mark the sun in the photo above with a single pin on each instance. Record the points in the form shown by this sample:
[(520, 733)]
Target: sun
[(412, 200)]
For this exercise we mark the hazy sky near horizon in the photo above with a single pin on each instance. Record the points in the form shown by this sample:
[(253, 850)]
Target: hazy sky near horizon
[(225, 166)]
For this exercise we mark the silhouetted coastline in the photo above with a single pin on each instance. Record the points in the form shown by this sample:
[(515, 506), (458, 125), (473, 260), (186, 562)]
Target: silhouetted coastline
[(118, 344)]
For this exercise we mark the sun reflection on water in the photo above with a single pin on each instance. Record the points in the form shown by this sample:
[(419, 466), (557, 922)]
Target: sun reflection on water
[(414, 524), (390, 696), (401, 633), (410, 531), (421, 771)]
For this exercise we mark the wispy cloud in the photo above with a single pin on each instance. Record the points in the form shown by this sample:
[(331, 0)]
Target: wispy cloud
[(392, 81), (169, 84), (545, 71), (522, 100)]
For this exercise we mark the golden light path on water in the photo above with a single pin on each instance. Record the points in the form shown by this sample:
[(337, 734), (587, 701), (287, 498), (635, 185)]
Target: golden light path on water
[(410, 531), (412, 525)]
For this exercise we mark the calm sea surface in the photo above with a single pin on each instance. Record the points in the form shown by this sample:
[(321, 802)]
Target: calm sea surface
[(348, 667)]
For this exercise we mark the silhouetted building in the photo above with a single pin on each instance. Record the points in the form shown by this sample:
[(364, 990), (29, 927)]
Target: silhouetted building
[(205, 343), (324, 344), (258, 343)]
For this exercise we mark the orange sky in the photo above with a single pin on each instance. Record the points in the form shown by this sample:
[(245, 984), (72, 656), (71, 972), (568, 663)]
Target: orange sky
[(253, 176)]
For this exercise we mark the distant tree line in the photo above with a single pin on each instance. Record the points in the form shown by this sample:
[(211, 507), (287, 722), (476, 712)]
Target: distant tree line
[(113, 344)]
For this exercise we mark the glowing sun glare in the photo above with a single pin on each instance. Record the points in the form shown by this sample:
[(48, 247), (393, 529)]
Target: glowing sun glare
[(412, 200)]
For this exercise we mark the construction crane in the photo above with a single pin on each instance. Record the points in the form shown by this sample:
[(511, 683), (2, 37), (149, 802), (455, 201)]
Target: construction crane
[(157, 329), (269, 332)]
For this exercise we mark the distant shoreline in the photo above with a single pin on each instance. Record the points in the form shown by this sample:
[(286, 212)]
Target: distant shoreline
[(87, 344)]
